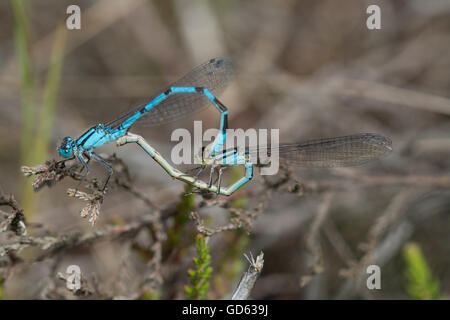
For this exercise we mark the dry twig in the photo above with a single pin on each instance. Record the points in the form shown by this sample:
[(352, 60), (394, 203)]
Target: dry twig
[(249, 279)]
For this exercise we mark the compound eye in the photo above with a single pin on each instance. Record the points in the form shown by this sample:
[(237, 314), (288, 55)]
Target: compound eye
[(65, 152)]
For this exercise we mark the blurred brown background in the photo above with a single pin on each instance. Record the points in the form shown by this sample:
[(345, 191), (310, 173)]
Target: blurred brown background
[(311, 69)]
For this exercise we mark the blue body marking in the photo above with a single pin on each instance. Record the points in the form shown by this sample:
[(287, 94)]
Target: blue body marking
[(99, 135), (182, 98), (331, 152)]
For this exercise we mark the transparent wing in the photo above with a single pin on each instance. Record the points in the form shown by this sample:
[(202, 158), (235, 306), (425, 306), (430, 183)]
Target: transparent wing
[(332, 152), (214, 75)]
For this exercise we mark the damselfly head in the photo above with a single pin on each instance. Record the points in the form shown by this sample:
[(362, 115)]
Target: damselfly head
[(66, 148)]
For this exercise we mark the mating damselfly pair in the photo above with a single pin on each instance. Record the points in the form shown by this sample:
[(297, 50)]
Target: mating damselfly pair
[(195, 91)]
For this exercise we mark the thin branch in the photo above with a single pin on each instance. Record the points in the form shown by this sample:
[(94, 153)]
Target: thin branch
[(241, 218), (55, 244), (308, 186), (313, 238), (392, 214), (14, 221)]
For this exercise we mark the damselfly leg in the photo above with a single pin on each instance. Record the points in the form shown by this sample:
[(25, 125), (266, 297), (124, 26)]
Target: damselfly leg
[(219, 182), (84, 163), (105, 165)]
